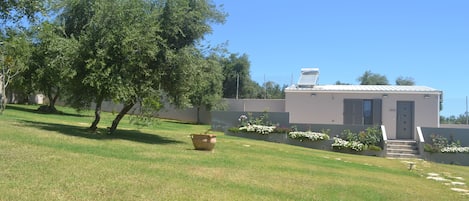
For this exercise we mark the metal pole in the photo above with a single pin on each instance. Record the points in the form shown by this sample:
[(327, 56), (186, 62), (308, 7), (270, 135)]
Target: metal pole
[(237, 85), (467, 113), (265, 89)]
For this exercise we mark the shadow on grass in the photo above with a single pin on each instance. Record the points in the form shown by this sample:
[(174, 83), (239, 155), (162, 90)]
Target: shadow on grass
[(130, 135), (36, 111)]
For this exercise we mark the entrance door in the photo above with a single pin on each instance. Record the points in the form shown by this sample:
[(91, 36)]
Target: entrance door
[(405, 120)]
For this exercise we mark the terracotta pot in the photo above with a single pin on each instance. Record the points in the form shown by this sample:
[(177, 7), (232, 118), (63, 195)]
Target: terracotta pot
[(204, 141)]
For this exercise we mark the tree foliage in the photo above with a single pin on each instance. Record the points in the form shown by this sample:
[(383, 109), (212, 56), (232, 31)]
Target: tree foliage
[(460, 119), (15, 10), (15, 47), (207, 88), (369, 78), (237, 82), (341, 83), (51, 62), (131, 49), (405, 81), (273, 90)]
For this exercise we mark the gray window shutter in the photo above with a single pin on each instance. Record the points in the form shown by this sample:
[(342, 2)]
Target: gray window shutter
[(353, 111), (377, 112)]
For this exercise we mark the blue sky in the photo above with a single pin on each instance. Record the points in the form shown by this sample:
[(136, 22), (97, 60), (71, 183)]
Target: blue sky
[(424, 39)]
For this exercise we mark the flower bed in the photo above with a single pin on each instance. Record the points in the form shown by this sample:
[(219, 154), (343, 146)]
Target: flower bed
[(344, 144), (264, 130), (366, 140), (442, 150), (309, 139), (356, 143), (455, 150), (308, 136)]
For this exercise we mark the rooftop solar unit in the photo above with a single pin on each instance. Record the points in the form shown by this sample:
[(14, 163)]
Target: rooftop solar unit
[(308, 78)]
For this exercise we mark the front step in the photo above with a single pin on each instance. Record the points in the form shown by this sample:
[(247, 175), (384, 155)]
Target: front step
[(402, 149)]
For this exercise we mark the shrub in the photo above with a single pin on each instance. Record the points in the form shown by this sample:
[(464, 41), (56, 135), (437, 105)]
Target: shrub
[(264, 130), (370, 136), (374, 148), (354, 145), (234, 129), (308, 135), (282, 130), (441, 144), (455, 150)]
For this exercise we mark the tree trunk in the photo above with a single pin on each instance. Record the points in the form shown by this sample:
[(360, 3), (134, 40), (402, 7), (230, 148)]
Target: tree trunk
[(54, 100), (3, 103), (121, 115), (3, 97), (97, 115)]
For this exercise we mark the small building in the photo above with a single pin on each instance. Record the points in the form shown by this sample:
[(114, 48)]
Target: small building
[(399, 108)]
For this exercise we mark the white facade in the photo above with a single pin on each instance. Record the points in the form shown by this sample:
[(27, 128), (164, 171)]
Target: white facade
[(326, 104)]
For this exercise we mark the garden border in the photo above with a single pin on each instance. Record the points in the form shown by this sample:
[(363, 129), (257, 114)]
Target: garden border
[(283, 138)]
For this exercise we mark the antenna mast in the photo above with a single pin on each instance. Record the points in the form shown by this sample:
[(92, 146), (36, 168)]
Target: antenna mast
[(467, 113)]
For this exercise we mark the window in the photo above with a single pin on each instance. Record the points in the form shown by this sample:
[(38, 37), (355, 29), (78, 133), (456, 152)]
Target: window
[(367, 112), (362, 111)]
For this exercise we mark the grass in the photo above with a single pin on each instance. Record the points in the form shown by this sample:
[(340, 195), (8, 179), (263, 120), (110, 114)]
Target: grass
[(54, 157)]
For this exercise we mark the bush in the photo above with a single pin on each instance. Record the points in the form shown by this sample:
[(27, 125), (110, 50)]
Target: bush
[(354, 145), (282, 130), (441, 144), (264, 130), (374, 148), (308, 135), (370, 136)]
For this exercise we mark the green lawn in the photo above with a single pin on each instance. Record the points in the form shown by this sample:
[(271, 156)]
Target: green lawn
[(54, 157)]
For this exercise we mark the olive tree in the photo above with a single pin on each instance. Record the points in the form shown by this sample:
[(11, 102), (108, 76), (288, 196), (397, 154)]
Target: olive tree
[(15, 53), (131, 49), (369, 78)]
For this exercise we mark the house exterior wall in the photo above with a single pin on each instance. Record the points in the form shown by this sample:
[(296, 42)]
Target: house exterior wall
[(310, 107), (426, 111)]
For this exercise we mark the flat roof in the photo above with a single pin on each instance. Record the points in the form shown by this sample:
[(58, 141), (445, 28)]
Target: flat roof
[(366, 88)]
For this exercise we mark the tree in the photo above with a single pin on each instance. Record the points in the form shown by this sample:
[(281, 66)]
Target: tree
[(273, 90), (131, 49), (15, 54), (116, 47), (51, 63), (460, 119), (14, 51), (369, 78), (76, 16), (208, 83), (405, 81), (341, 83), (237, 82)]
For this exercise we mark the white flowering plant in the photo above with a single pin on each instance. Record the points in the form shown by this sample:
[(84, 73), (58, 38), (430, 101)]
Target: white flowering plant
[(308, 135), (259, 125), (443, 145), (264, 130), (354, 145), (368, 139), (455, 150), (243, 120)]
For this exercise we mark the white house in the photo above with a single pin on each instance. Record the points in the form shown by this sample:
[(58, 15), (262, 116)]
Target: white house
[(399, 108)]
